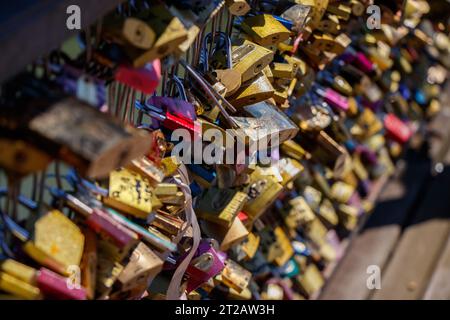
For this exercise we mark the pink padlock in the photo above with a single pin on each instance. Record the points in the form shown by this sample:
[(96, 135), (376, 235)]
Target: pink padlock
[(363, 63), (208, 263), (55, 286), (145, 79), (396, 129), (336, 100)]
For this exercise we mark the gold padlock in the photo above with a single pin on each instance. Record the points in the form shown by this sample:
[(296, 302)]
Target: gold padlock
[(290, 169), (249, 59), (262, 191), (342, 191), (22, 158), (130, 193), (341, 10), (285, 245), (220, 205), (330, 24), (170, 33), (142, 267), (251, 245), (265, 29), (234, 276), (282, 70), (253, 91), (18, 288), (311, 280), (131, 30), (238, 7), (59, 237)]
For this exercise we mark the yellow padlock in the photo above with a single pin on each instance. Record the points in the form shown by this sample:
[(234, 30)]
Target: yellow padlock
[(265, 30)]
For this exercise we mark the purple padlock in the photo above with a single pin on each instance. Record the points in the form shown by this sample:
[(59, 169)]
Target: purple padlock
[(207, 263)]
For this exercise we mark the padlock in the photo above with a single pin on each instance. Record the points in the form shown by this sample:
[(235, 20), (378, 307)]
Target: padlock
[(265, 30), (238, 7), (299, 214), (207, 264), (285, 245), (318, 9), (147, 169), (59, 237), (249, 59), (341, 191), (132, 31), (396, 129), (227, 237), (129, 192), (141, 269), (341, 10), (293, 150), (311, 280), (18, 288), (290, 169), (262, 192), (328, 213), (150, 235), (234, 276), (225, 74), (169, 223), (330, 24), (144, 79), (169, 31), (102, 223), (94, 148), (21, 158), (253, 91), (250, 246), (220, 205), (280, 123)]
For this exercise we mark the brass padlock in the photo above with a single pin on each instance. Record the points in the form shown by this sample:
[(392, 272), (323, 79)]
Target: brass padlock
[(249, 59), (130, 193), (265, 30), (227, 237), (238, 7), (59, 237), (19, 288), (220, 205), (93, 142), (130, 31), (253, 91), (170, 33), (21, 158), (234, 276), (341, 10), (250, 247), (311, 280), (262, 191), (141, 269), (285, 245)]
